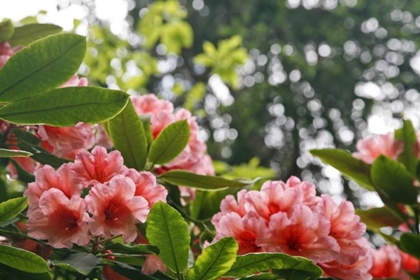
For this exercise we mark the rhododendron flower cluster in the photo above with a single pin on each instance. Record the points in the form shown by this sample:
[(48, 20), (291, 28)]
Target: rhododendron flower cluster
[(117, 199), (290, 218)]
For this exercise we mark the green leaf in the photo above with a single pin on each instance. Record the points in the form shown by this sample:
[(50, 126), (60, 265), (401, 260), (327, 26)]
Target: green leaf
[(392, 177), (82, 263), (170, 142), (27, 137), (136, 249), (22, 260), (13, 153), (376, 218), (252, 263), (167, 230), (344, 162), (215, 260), (24, 35), (145, 119), (43, 65), (43, 156), (6, 30), (6, 272), (66, 107), (407, 135), (189, 179), (410, 243), (127, 134), (12, 207)]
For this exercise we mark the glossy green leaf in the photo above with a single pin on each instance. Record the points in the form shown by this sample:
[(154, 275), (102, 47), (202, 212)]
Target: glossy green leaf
[(42, 156), (13, 153), (82, 263), (27, 137), (170, 142), (410, 243), (145, 119), (22, 260), (392, 177), (215, 260), (12, 207), (251, 263), (136, 249), (189, 179), (43, 65), (6, 272), (24, 35), (127, 134), (344, 162), (407, 135), (66, 107), (376, 218), (167, 230), (6, 30)]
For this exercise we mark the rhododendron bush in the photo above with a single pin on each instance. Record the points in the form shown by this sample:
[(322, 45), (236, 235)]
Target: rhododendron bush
[(112, 186)]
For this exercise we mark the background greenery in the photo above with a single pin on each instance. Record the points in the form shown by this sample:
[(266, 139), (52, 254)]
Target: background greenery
[(268, 80)]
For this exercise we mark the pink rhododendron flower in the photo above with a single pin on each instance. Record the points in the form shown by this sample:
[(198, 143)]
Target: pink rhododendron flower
[(6, 52), (98, 166), (274, 198), (228, 205), (152, 264), (61, 220), (346, 229), (358, 270), (369, 148), (146, 186), (387, 263), (75, 81), (66, 141), (115, 209), (304, 234), (244, 229), (64, 179)]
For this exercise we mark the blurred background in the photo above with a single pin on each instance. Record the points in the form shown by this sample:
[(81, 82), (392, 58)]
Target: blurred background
[(267, 80)]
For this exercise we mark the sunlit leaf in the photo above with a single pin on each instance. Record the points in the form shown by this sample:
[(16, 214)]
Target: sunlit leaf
[(43, 65), (66, 107), (12, 207), (170, 142), (26, 34), (215, 260), (167, 230), (128, 135), (6, 30), (392, 177), (204, 182), (13, 153), (407, 135), (351, 167), (282, 263), (22, 260)]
